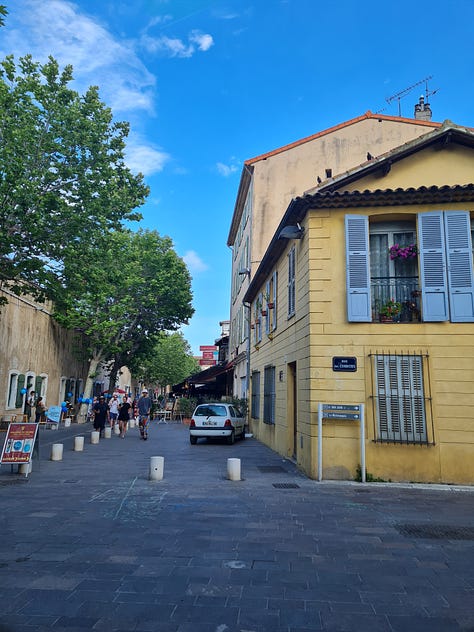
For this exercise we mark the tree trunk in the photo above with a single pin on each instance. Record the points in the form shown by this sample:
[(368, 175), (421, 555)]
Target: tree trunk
[(93, 364), (113, 373)]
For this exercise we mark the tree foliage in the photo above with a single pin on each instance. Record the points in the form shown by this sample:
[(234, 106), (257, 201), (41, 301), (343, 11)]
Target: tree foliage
[(63, 179), (3, 14), (168, 361), (123, 293)]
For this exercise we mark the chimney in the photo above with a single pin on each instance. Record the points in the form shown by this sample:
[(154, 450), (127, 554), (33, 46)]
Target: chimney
[(422, 110)]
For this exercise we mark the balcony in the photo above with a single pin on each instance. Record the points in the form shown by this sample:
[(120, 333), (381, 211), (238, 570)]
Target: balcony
[(396, 299)]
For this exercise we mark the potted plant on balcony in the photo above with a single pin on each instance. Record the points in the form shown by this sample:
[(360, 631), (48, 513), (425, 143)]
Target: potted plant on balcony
[(390, 310), (269, 301), (403, 252)]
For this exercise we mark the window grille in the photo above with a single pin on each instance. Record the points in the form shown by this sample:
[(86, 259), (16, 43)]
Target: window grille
[(401, 403)]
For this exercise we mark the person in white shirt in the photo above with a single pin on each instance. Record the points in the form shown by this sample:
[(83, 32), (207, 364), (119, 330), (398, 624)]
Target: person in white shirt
[(114, 409)]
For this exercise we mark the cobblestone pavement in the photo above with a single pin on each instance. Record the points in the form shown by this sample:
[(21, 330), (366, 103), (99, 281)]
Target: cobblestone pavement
[(91, 543)]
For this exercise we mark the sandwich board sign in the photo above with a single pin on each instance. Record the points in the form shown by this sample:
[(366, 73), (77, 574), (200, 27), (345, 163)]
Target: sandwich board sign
[(19, 443)]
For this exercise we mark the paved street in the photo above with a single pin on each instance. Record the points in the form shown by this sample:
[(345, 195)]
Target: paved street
[(90, 543)]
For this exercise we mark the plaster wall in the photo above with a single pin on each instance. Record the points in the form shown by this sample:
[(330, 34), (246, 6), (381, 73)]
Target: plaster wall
[(32, 343)]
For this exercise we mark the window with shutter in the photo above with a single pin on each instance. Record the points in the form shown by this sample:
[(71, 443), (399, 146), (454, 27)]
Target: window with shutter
[(269, 395), (291, 282), (19, 395), (255, 395), (400, 398)]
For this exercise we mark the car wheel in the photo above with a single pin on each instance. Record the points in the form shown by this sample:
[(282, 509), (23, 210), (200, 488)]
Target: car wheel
[(193, 440), (231, 438)]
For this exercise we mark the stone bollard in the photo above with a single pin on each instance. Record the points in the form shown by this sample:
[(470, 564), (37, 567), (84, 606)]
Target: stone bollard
[(57, 452), (233, 469), (78, 444), (95, 436), (116, 429), (131, 423), (157, 464), (108, 433), (67, 422), (25, 468)]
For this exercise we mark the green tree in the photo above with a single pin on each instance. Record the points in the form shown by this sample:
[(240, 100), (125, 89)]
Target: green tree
[(63, 179), (168, 361), (120, 295), (3, 14)]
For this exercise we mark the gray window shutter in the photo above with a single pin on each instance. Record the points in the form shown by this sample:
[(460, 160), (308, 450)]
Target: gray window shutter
[(460, 278), (434, 287), (357, 268)]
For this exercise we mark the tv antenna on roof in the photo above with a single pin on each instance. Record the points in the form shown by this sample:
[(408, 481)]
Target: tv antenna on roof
[(404, 92)]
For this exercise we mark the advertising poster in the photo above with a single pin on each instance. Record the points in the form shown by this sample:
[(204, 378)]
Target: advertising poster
[(19, 443), (53, 414)]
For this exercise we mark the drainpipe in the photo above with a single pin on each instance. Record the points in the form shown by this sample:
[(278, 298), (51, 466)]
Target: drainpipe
[(247, 369)]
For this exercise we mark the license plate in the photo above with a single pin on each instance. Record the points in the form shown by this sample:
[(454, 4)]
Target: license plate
[(209, 423)]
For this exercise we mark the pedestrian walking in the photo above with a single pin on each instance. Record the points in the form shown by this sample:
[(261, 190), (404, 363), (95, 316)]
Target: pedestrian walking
[(29, 405), (144, 409), (113, 409), (124, 415), (101, 415), (39, 410)]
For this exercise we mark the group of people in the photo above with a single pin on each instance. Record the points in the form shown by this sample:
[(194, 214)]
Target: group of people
[(121, 411), (36, 404)]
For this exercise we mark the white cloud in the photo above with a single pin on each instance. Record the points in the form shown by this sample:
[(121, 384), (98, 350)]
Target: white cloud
[(194, 262), (175, 47), (144, 158), (57, 28), (202, 40), (226, 170)]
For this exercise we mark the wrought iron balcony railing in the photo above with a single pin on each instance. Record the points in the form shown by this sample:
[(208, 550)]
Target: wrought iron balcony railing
[(398, 295)]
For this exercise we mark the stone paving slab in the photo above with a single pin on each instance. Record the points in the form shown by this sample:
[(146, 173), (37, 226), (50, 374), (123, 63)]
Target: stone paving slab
[(90, 543)]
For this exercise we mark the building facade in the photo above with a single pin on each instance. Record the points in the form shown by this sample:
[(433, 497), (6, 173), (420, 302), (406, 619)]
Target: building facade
[(268, 184), (36, 355), (365, 296)]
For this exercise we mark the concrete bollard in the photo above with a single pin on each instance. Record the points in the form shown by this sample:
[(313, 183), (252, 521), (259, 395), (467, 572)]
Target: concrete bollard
[(157, 464), (78, 444), (131, 423), (95, 436), (233, 469), (57, 452), (67, 422), (116, 429), (108, 433), (25, 468)]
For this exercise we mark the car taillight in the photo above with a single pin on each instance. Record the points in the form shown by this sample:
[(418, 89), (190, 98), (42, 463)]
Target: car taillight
[(192, 424), (228, 423)]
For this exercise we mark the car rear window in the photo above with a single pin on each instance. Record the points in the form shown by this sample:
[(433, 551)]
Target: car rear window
[(211, 411)]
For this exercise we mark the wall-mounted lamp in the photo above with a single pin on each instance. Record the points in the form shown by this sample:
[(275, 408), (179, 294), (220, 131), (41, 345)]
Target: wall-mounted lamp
[(243, 271), (291, 232)]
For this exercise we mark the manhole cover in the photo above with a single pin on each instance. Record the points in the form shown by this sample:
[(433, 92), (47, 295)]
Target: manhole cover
[(286, 485), (436, 531), (271, 469)]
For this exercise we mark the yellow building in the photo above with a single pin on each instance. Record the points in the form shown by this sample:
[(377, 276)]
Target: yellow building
[(365, 298), (270, 181)]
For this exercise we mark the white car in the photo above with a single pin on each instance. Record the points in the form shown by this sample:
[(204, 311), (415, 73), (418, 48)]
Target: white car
[(217, 420)]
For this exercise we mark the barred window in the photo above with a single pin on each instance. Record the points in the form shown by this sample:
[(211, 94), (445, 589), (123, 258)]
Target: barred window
[(269, 395), (400, 399), (255, 412)]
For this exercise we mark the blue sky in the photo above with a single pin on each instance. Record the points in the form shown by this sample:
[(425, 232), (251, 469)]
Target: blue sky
[(206, 85)]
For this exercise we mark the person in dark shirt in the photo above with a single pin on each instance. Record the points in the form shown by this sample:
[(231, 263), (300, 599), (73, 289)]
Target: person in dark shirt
[(124, 415), (101, 415)]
